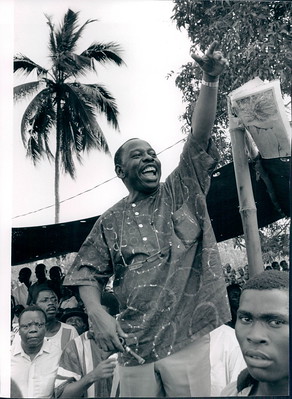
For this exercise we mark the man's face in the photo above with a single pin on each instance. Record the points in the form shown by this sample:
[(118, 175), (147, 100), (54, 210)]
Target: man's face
[(32, 329), (78, 323), (140, 169), (48, 302), (262, 330), (22, 277)]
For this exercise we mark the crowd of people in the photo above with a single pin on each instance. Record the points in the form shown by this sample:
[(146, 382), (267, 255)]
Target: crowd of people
[(166, 329), (241, 275)]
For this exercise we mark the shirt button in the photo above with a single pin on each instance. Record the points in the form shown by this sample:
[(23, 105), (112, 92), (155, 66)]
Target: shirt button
[(144, 238), (133, 205), (140, 225), (136, 213)]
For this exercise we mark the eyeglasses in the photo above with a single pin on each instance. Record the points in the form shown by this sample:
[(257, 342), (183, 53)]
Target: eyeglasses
[(29, 325)]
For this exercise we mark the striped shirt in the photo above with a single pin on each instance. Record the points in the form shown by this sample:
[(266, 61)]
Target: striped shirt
[(81, 356)]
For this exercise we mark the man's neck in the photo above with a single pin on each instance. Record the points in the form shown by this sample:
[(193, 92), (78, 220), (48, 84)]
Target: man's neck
[(272, 388), (32, 352), (52, 327)]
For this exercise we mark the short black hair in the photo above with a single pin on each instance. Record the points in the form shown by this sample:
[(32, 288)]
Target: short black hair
[(268, 280), (119, 153), (40, 266), (25, 271), (32, 308), (42, 287)]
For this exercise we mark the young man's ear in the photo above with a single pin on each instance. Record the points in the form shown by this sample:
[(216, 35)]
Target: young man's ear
[(119, 171)]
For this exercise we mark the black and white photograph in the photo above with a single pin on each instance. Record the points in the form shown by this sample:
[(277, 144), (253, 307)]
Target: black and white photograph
[(145, 211)]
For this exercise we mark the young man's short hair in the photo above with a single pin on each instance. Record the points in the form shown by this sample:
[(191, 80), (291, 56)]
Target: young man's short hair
[(268, 280)]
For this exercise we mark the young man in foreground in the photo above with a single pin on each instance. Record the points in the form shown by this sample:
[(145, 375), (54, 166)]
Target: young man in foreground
[(262, 330)]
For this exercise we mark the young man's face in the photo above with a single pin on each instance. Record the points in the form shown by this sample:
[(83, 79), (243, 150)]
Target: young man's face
[(48, 302), (140, 169), (262, 330), (32, 329)]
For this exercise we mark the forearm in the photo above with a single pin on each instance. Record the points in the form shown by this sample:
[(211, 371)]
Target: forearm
[(77, 388), (91, 296), (205, 111)]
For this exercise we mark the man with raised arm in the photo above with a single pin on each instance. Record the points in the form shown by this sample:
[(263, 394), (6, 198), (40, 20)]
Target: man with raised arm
[(159, 245)]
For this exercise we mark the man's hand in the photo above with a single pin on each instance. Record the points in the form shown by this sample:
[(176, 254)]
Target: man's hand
[(105, 369), (234, 121), (212, 63), (106, 331)]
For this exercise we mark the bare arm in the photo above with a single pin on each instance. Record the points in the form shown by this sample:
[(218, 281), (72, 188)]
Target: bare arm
[(76, 389), (106, 328), (212, 65)]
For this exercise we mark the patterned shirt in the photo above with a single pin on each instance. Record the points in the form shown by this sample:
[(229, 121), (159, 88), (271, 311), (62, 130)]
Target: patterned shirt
[(163, 254)]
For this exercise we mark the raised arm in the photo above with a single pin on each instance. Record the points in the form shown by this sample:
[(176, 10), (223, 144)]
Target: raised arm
[(212, 65)]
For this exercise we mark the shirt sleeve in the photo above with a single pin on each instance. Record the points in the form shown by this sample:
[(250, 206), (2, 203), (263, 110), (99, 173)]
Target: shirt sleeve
[(195, 169), (69, 369), (93, 264)]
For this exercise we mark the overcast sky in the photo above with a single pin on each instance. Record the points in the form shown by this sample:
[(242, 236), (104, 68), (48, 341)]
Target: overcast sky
[(148, 102)]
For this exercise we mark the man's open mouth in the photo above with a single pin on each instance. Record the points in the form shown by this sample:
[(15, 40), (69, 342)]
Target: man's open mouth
[(150, 171)]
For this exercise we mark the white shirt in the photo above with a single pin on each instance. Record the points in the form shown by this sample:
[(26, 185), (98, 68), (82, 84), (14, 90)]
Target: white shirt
[(20, 294), (35, 378), (64, 335), (225, 357)]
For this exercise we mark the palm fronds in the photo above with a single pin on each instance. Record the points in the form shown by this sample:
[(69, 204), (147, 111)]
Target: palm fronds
[(26, 66), (101, 98), (104, 52), (37, 122), (23, 91)]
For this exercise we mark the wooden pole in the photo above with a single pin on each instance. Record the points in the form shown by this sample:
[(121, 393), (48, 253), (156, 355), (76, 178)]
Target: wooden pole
[(247, 207)]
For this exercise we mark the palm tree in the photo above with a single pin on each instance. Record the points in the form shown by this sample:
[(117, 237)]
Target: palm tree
[(62, 105)]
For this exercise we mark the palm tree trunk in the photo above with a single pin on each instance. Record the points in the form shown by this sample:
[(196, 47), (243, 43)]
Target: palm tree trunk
[(57, 163)]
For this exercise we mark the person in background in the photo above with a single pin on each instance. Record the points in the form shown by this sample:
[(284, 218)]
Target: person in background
[(226, 359), (34, 359), (58, 332), (262, 330), (42, 281), (284, 265), (56, 280), (68, 300), (240, 276), (233, 292), (77, 318), (275, 266), (246, 273), (159, 244), (20, 293), (85, 370)]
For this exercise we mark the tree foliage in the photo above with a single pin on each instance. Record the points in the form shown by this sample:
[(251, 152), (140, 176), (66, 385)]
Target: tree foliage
[(255, 36), (62, 104)]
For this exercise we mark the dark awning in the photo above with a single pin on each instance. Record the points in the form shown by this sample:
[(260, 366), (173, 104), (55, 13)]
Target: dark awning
[(40, 242)]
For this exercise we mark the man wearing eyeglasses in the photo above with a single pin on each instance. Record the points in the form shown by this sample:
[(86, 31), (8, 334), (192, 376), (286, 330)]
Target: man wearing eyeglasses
[(34, 359)]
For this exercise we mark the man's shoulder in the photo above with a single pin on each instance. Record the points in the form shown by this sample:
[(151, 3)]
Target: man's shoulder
[(117, 207)]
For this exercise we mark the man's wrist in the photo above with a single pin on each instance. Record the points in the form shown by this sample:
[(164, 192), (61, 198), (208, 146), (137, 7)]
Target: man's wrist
[(210, 78), (210, 84)]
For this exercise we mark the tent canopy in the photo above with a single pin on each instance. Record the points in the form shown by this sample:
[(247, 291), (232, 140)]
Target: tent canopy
[(33, 243)]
